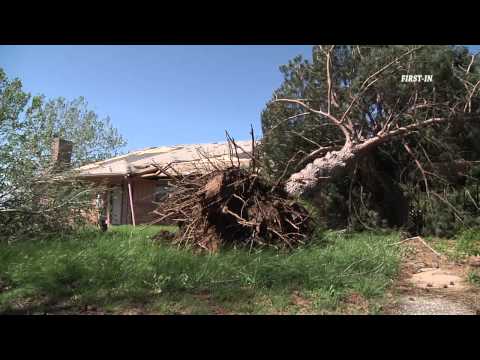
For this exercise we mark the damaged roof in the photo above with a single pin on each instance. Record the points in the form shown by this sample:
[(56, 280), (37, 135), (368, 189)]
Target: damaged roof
[(184, 159)]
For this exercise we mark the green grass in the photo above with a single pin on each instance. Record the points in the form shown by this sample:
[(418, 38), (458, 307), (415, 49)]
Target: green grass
[(444, 246), (473, 277), (465, 243), (123, 268), (468, 242)]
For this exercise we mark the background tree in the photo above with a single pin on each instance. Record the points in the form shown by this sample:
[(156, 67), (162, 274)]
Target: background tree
[(29, 198), (347, 115)]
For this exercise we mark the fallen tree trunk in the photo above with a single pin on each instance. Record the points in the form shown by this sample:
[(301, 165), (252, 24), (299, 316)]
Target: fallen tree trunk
[(335, 163), (369, 113)]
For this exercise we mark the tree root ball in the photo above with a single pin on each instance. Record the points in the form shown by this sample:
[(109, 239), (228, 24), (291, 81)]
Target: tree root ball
[(234, 207)]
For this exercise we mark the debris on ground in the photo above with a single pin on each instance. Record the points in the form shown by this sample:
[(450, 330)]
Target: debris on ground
[(163, 235), (422, 241), (234, 206)]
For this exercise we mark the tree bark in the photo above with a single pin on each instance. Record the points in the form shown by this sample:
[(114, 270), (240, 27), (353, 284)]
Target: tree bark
[(335, 163), (321, 170)]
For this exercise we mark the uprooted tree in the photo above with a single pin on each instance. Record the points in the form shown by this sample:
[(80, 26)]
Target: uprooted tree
[(351, 103), (223, 203)]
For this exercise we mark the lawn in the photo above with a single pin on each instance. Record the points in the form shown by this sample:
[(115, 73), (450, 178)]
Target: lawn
[(126, 271)]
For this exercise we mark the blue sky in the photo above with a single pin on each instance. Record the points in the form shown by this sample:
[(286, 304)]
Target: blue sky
[(159, 95)]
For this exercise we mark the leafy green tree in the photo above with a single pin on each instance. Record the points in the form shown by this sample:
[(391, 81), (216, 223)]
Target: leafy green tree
[(93, 138), (30, 197)]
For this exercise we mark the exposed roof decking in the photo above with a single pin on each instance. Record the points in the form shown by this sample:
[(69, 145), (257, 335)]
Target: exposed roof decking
[(184, 159)]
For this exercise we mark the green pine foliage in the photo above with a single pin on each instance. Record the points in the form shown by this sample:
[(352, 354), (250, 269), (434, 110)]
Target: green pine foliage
[(383, 188)]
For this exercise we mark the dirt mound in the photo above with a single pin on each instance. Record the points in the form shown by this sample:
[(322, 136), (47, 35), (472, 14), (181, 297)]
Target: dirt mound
[(234, 206)]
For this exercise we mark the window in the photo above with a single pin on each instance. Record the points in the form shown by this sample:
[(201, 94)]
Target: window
[(161, 190)]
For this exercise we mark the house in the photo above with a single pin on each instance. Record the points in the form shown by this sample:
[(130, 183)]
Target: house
[(136, 184)]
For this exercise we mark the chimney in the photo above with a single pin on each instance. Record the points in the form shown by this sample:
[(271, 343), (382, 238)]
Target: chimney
[(61, 153)]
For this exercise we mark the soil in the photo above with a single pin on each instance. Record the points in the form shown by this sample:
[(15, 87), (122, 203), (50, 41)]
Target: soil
[(234, 206), (432, 285), (302, 303)]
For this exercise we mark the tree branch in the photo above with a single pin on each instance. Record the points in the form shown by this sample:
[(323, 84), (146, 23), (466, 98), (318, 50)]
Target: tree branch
[(330, 117), (419, 166), (367, 84)]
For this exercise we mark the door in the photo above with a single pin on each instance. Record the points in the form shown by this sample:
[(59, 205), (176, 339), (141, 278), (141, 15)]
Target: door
[(116, 214)]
